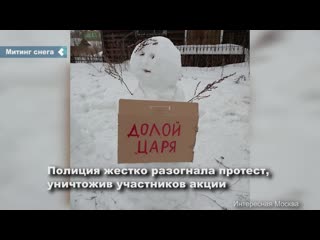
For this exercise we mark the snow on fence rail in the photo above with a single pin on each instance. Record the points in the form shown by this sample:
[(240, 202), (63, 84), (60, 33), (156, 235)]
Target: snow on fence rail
[(219, 49)]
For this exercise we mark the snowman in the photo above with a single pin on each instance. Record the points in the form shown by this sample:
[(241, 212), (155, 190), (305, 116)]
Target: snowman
[(156, 63)]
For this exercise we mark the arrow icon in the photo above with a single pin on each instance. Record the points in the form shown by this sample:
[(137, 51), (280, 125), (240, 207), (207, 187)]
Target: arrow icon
[(61, 52)]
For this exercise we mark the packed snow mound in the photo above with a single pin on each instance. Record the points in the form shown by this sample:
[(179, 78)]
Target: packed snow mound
[(156, 63)]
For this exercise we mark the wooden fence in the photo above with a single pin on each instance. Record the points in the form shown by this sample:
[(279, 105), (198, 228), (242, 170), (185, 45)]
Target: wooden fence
[(219, 49), (85, 59), (195, 55), (212, 55)]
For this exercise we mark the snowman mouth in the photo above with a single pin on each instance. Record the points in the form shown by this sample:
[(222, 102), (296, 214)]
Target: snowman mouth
[(146, 71)]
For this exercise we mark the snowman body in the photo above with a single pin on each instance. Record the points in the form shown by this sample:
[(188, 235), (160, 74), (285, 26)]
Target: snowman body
[(156, 63)]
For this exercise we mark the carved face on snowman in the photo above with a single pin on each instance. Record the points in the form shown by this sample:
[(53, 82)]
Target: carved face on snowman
[(156, 62)]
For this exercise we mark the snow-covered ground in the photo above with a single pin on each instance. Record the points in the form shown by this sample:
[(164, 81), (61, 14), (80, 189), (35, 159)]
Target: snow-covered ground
[(33, 100), (285, 70), (223, 136)]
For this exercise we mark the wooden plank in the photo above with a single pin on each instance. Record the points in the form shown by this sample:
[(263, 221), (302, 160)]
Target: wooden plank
[(203, 37)]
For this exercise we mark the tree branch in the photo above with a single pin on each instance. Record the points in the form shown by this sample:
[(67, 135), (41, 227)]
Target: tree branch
[(208, 88)]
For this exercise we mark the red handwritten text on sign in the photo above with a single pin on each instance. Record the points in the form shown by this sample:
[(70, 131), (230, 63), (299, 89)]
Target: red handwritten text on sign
[(154, 130)]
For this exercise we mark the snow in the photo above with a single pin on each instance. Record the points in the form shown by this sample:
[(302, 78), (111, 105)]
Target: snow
[(33, 100), (285, 115), (284, 134), (222, 136), (156, 63)]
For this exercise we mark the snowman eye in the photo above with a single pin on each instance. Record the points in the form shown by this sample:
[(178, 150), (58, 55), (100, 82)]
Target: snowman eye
[(141, 54), (152, 56)]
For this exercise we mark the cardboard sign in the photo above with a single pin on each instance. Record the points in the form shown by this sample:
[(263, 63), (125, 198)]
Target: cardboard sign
[(156, 131)]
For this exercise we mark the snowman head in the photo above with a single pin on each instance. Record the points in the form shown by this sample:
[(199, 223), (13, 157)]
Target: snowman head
[(156, 62)]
